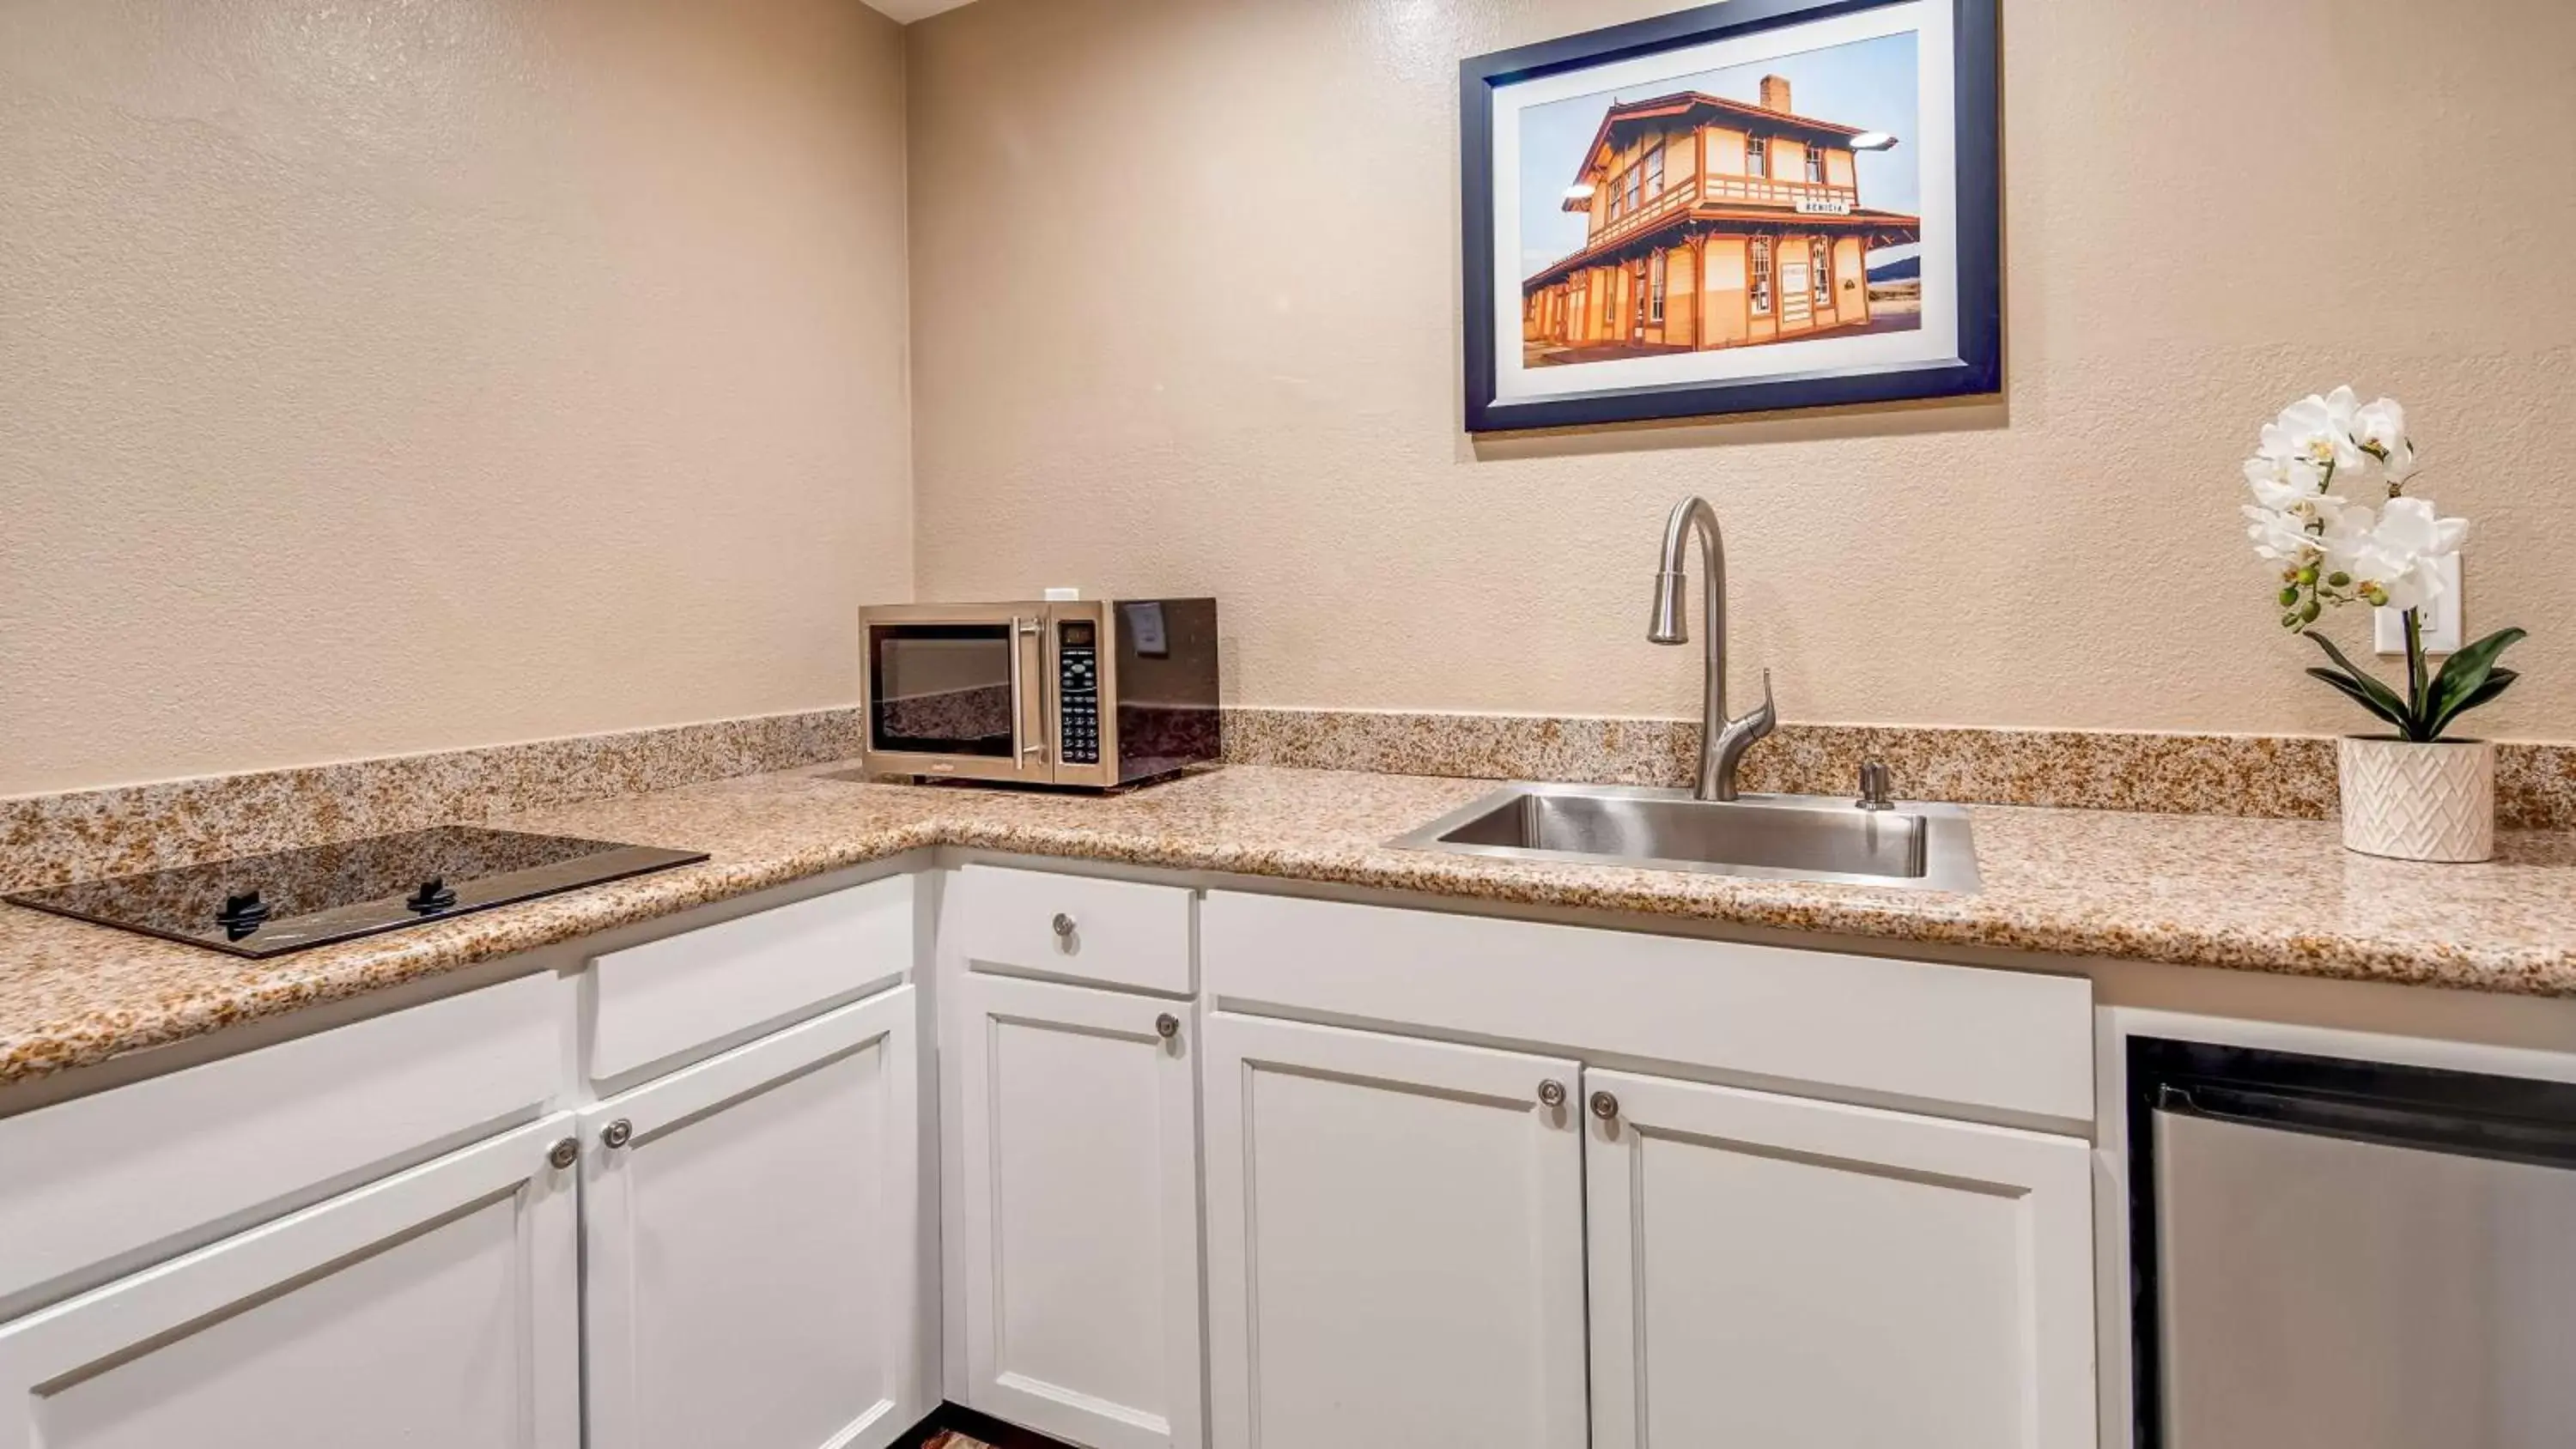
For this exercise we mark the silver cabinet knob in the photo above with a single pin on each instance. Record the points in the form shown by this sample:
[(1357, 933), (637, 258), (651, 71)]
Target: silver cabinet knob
[(1551, 1094), (617, 1133), (1604, 1106), (1167, 1026), (1063, 926), (564, 1153)]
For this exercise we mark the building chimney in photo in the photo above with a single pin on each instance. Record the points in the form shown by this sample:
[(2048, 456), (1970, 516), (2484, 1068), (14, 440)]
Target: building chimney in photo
[(1775, 93)]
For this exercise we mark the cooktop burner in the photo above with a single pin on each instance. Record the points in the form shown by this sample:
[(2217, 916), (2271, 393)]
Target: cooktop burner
[(267, 904)]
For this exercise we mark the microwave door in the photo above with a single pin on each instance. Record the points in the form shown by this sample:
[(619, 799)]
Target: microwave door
[(952, 692)]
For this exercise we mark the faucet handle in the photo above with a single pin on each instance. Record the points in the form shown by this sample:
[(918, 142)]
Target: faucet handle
[(1764, 718)]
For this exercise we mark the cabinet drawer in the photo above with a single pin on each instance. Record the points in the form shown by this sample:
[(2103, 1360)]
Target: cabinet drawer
[(1115, 932), (2011, 1040), (108, 1182), (661, 1000)]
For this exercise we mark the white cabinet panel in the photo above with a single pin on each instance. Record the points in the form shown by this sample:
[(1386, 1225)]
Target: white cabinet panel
[(1113, 932), (435, 1309), (1079, 1157), (107, 1183), (2011, 1041), (1395, 1242), (1804, 1275), (665, 999), (751, 1252)]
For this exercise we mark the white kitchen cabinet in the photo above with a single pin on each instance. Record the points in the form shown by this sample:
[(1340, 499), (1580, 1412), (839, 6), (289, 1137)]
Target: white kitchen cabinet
[(1785, 1273), (1168, 1227), (1395, 1241), (98, 1187), (1079, 1220), (749, 1231), (437, 1308)]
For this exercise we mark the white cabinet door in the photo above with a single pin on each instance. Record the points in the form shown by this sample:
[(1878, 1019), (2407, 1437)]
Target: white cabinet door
[(1802, 1275), (437, 1308), (1079, 1154), (1395, 1242), (748, 1226)]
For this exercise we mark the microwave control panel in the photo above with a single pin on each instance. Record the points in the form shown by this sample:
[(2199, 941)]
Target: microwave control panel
[(1077, 691)]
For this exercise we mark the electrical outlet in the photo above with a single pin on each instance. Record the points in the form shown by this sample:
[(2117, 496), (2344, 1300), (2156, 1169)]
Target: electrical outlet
[(2441, 624)]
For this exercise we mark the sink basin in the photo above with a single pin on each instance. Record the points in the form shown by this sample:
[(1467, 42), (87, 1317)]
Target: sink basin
[(1784, 837)]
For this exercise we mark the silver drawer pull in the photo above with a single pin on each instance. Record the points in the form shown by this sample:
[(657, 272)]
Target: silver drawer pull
[(1605, 1106), (617, 1133), (1551, 1094), (1063, 926), (1167, 1026)]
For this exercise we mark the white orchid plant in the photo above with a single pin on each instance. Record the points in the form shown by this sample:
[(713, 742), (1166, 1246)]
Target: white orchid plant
[(2333, 551)]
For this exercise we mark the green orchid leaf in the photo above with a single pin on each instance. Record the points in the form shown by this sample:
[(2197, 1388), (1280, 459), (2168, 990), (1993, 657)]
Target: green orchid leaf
[(2384, 702), (2360, 696), (2463, 675), (2497, 682)]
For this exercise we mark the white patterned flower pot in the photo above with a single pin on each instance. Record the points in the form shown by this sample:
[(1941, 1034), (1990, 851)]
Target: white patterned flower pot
[(2419, 802)]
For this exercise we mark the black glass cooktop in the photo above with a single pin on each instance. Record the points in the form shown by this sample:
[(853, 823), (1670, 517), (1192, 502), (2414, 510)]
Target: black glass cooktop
[(267, 904)]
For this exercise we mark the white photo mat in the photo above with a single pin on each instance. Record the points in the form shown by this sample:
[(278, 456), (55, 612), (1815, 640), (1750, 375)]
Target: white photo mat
[(1934, 341)]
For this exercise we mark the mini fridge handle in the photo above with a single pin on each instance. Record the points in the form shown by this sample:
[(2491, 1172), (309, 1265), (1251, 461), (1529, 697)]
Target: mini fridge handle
[(2389, 1124)]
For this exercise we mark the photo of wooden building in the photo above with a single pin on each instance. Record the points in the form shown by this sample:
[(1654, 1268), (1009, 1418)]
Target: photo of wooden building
[(1715, 223)]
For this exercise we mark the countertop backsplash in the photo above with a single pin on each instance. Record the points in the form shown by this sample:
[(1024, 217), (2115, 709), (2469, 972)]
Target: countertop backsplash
[(84, 835), (2279, 777)]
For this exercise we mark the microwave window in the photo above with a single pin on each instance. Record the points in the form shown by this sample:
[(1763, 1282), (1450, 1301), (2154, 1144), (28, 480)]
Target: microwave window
[(940, 689)]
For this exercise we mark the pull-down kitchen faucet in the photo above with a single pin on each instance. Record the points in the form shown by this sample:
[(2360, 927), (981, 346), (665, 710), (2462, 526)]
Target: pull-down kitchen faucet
[(1723, 741)]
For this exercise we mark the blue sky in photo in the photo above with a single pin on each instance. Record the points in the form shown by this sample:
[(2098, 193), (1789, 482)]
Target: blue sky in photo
[(1870, 84)]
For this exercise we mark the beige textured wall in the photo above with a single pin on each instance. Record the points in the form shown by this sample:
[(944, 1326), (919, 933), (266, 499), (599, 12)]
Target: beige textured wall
[(382, 377), (1158, 354)]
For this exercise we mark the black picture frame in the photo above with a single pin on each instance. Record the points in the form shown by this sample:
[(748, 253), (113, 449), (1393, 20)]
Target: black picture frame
[(1975, 369)]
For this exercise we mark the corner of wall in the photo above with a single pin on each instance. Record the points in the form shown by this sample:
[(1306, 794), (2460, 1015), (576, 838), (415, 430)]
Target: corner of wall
[(911, 422), (911, 350)]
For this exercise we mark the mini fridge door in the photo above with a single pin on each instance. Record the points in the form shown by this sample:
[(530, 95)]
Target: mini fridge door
[(2347, 1269)]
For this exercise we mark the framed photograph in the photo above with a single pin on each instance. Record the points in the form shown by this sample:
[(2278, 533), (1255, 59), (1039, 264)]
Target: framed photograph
[(1742, 207)]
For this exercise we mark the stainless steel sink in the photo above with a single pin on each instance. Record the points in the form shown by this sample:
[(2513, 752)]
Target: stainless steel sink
[(1783, 837)]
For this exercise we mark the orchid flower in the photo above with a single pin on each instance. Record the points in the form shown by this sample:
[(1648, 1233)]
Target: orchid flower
[(2333, 551)]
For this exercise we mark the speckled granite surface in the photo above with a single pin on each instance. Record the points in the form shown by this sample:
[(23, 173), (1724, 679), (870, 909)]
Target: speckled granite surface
[(2288, 777), (2260, 895), (88, 834)]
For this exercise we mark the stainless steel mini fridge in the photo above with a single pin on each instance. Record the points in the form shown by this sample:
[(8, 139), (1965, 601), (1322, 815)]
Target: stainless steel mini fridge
[(2332, 1254)]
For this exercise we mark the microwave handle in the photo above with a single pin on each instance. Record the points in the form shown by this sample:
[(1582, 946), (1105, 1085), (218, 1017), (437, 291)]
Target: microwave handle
[(1020, 749)]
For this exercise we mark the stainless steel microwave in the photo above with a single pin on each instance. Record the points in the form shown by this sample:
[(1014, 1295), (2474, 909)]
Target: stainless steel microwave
[(1090, 694)]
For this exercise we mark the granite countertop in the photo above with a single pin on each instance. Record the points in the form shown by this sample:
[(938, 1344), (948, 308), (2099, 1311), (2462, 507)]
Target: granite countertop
[(2242, 894)]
